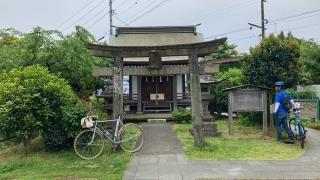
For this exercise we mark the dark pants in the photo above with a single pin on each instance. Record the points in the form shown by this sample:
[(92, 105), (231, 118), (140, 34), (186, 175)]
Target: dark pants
[(282, 122)]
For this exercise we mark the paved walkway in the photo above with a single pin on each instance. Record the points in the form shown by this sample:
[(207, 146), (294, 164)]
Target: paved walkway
[(157, 161)]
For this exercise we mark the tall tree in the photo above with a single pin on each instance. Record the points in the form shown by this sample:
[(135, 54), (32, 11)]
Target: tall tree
[(64, 55), (274, 59), (310, 62)]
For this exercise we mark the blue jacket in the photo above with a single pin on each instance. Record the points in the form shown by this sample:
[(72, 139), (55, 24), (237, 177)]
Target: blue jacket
[(279, 99)]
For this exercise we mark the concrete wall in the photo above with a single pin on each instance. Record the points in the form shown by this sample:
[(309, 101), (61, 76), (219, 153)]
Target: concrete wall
[(309, 110)]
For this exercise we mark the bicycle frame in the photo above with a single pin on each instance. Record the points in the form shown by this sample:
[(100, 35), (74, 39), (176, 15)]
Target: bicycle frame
[(103, 131), (297, 121)]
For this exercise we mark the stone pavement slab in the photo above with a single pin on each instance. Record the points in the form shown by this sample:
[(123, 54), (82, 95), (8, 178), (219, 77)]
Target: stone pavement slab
[(158, 160), (160, 139)]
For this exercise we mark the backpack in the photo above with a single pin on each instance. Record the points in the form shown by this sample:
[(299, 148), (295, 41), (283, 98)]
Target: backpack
[(86, 122), (286, 104)]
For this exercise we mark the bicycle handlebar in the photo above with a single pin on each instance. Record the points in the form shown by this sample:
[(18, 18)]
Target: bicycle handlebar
[(296, 109), (94, 117)]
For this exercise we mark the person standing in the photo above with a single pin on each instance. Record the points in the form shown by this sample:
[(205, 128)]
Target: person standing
[(282, 112)]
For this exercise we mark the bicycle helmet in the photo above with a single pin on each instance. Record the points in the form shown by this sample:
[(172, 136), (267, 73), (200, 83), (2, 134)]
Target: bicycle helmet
[(279, 83)]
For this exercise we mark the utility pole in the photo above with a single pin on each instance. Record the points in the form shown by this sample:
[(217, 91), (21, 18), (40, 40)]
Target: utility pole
[(262, 18), (110, 17), (263, 21)]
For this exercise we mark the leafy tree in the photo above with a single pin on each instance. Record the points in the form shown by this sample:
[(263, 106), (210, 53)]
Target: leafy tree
[(10, 44), (225, 51), (274, 59), (38, 46), (33, 101), (63, 55), (310, 62), (232, 77), (75, 63)]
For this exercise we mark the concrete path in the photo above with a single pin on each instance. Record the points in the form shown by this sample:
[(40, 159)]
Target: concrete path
[(160, 162), (160, 139)]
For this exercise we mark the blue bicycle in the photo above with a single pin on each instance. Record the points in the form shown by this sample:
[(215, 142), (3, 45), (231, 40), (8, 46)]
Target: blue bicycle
[(296, 126)]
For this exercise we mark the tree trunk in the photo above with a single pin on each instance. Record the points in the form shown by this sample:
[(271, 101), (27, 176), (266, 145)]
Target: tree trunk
[(26, 141)]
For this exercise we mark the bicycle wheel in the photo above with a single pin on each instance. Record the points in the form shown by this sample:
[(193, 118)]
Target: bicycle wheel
[(302, 135), (131, 137), (292, 126), (88, 145)]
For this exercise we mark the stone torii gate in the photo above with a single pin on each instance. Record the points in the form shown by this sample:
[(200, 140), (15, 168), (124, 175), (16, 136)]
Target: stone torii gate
[(193, 51)]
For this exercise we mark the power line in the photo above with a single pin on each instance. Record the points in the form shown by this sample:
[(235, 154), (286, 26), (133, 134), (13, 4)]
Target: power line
[(135, 3), (298, 18), (247, 37), (95, 15), (136, 14), (301, 27), (123, 22), (129, 8), (294, 16), (149, 11), (96, 21), (121, 4), (239, 5), (88, 12), (227, 33), (67, 20)]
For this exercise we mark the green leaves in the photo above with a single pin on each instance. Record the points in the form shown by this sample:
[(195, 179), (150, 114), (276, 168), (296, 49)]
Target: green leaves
[(229, 78), (182, 115), (274, 59), (309, 62), (31, 99), (66, 56)]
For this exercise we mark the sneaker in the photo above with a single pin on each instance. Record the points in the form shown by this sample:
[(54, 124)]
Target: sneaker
[(289, 141)]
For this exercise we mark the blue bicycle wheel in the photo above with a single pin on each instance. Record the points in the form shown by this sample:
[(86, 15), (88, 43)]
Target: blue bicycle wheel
[(301, 134)]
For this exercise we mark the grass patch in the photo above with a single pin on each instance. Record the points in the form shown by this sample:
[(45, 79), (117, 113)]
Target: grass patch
[(61, 165), (311, 124), (247, 144)]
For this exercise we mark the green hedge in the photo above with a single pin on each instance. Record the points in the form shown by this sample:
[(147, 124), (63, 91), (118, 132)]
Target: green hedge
[(182, 115)]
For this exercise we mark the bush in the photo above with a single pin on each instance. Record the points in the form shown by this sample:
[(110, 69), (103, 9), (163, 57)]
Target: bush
[(250, 119), (182, 115), (33, 101), (59, 132), (232, 77), (96, 107), (311, 124)]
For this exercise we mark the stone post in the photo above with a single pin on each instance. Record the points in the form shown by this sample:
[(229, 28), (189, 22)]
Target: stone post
[(118, 87), (196, 104), (230, 111)]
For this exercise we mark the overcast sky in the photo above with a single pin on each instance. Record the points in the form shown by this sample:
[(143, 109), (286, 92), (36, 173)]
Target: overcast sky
[(218, 18)]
